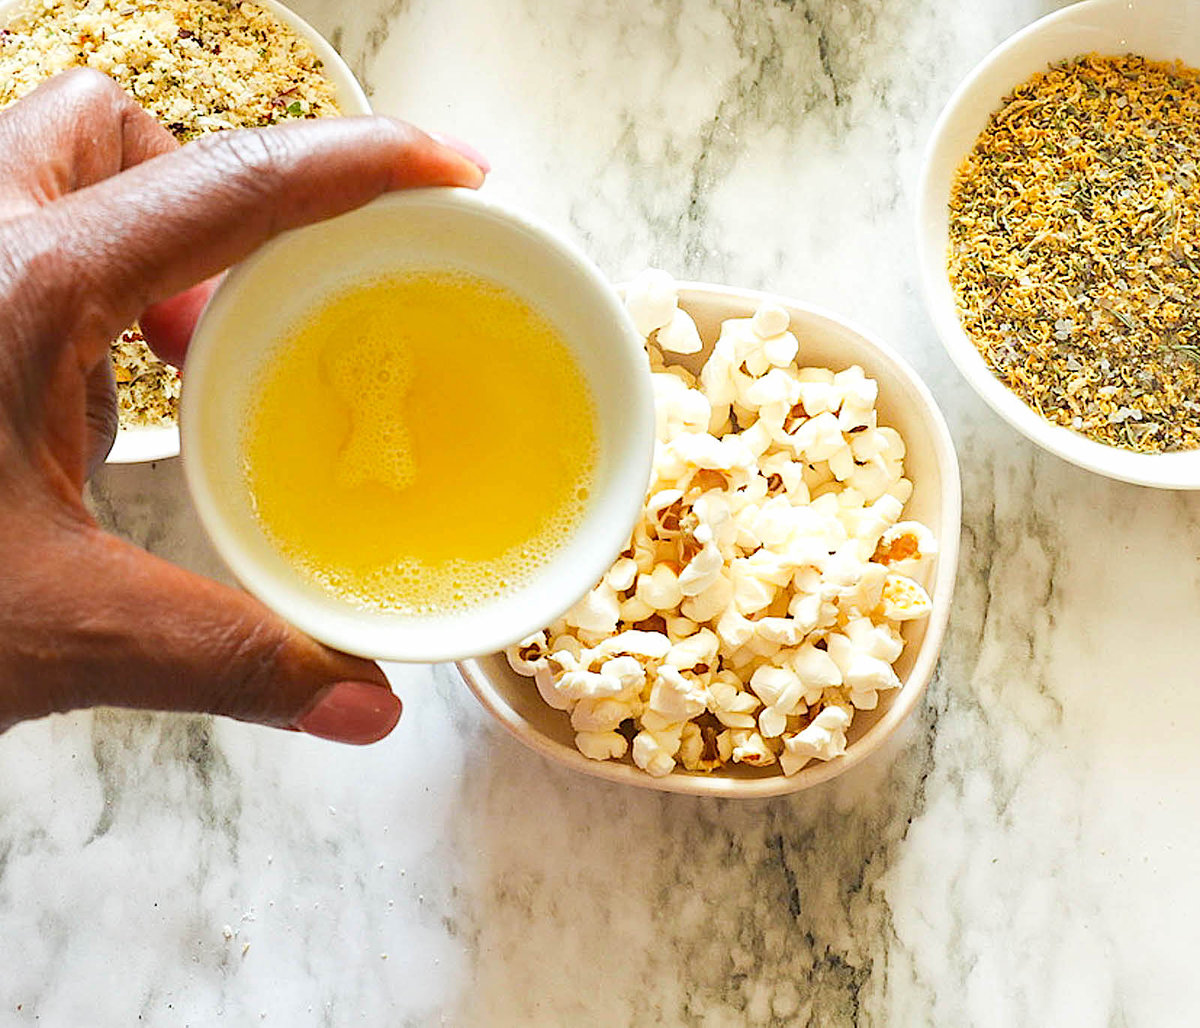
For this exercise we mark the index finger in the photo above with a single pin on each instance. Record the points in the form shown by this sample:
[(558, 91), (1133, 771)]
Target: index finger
[(165, 225)]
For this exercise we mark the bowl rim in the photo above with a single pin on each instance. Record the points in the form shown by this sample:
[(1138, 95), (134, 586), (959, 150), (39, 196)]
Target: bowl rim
[(905, 699), (972, 102), (147, 443), (490, 630)]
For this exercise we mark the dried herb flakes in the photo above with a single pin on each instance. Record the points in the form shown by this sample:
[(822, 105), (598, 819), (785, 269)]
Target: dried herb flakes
[(1075, 249)]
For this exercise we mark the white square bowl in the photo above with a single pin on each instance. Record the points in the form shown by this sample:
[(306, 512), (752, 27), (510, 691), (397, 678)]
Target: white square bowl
[(905, 404)]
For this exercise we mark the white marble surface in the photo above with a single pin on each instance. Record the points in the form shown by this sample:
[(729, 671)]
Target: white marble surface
[(1026, 856)]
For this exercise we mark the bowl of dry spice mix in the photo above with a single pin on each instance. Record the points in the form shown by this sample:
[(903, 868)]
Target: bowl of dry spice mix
[(199, 66), (1059, 234)]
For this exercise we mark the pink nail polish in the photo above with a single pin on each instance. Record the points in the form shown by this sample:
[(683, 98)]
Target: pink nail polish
[(465, 149), (352, 712)]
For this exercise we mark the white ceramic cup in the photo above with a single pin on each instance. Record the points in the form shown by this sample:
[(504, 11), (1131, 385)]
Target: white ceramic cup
[(415, 230), (1163, 30)]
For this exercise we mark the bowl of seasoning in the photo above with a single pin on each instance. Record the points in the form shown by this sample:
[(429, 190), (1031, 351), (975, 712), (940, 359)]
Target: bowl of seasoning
[(1059, 236), (198, 66)]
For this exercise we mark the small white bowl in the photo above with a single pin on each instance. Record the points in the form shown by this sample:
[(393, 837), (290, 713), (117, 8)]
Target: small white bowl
[(425, 228), (1163, 30), (904, 403), (158, 442)]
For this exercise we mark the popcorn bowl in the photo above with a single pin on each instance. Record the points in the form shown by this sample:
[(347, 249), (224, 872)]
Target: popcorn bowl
[(905, 404), (1161, 30), (415, 230), (139, 445)]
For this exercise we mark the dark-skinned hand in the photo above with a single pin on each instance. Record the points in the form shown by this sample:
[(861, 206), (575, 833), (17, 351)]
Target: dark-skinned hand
[(105, 219)]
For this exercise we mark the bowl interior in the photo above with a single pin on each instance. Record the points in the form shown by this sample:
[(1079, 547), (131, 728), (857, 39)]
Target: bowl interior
[(905, 404), (435, 228), (350, 96), (1164, 30)]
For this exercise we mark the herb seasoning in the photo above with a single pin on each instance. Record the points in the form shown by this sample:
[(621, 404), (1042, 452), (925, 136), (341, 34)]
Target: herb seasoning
[(1075, 247)]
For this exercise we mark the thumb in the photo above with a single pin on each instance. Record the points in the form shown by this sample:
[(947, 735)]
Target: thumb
[(127, 629)]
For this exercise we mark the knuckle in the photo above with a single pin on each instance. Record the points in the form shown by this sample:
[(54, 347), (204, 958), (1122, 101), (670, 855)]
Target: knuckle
[(87, 91), (250, 160)]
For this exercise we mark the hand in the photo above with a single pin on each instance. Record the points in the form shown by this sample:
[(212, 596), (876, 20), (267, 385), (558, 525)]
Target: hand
[(105, 219)]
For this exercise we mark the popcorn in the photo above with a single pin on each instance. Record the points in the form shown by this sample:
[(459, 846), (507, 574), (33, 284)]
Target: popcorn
[(599, 611), (600, 715), (660, 589), (769, 321), (880, 641), (777, 391), (759, 601), (601, 745), (704, 749), (679, 335), (647, 645), (708, 603), (675, 698), (702, 571), (527, 656), (664, 510), (654, 754), (586, 685), (622, 574), (750, 590), (635, 610), (858, 391), (547, 687), (819, 438), (863, 675), (651, 300), (816, 670), (752, 749), (627, 672), (733, 707), (902, 490), (678, 408), (824, 738), (779, 687), (680, 628), (905, 547), (780, 631), (734, 629), (903, 599), (697, 653)]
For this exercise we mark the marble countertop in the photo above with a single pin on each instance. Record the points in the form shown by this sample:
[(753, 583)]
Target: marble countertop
[(1024, 855)]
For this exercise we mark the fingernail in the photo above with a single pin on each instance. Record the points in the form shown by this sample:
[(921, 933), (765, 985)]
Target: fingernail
[(464, 149), (353, 712)]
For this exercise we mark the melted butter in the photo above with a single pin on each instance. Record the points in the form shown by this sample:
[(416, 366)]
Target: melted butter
[(421, 442)]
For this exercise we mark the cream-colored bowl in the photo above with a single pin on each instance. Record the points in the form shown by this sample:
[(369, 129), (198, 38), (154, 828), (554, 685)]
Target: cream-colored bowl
[(258, 303), (139, 445), (1163, 30), (904, 403)]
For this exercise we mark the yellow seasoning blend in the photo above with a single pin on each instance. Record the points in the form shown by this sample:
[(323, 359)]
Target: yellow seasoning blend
[(421, 442), (1075, 246)]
